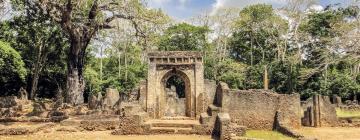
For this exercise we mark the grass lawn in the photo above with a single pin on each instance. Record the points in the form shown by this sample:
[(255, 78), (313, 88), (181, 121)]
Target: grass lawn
[(345, 113), (266, 135)]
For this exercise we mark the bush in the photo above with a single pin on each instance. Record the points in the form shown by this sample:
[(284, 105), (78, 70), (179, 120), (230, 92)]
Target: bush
[(12, 70)]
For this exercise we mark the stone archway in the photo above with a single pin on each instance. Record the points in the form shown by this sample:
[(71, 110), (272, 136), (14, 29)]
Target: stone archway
[(174, 104), (186, 65)]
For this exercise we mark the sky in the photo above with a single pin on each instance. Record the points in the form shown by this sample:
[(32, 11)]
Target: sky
[(185, 9)]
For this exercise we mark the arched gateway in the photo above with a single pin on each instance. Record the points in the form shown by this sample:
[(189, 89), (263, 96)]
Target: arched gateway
[(175, 84)]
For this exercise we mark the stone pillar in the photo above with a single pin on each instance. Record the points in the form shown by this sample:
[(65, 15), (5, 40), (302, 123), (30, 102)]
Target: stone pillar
[(151, 90), (199, 89), (316, 102)]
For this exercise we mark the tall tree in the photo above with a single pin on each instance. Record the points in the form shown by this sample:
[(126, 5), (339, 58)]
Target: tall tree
[(258, 31), (80, 21), (37, 40), (184, 37)]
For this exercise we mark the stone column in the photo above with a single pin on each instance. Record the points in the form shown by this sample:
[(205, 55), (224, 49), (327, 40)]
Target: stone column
[(199, 88), (151, 91), (316, 103)]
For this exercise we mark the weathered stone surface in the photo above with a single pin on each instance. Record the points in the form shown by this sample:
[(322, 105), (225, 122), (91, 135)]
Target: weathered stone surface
[(319, 112), (99, 125), (15, 131), (26, 130), (142, 94), (129, 126), (39, 110), (92, 101), (99, 101), (8, 101), (10, 112), (22, 94), (186, 65), (210, 91), (256, 109), (111, 98), (67, 129), (81, 110)]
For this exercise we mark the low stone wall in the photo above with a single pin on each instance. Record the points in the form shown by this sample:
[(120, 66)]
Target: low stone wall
[(9, 101), (225, 130), (256, 109)]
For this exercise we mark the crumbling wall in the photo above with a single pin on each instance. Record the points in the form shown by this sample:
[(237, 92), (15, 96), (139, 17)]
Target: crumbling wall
[(142, 94), (256, 109), (327, 112), (318, 112), (209, 95)]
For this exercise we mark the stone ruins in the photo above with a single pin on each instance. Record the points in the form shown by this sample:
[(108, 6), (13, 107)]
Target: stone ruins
[(176, 99)]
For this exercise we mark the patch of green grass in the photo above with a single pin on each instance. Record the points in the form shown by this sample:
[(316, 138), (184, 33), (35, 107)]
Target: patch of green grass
[(266, 135), (346, 113)]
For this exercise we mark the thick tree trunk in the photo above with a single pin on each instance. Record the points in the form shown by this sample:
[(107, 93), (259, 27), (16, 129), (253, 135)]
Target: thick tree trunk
[(75, 83)]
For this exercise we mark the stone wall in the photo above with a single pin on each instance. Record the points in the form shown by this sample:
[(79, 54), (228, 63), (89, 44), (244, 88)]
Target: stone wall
[(318, 112), (257, 109), (9, 101), (210, 90)]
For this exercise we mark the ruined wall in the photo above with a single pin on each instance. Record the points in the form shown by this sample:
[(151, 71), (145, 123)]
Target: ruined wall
[(209, 95), (318, 112), (257, 109)]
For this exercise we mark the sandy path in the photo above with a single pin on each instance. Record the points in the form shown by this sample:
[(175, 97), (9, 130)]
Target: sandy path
[(99, 135), (332, 133)]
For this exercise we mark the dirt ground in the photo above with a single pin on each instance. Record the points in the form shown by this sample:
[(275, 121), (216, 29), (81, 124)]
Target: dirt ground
[(331, 133), (100, 135), (54, 133)]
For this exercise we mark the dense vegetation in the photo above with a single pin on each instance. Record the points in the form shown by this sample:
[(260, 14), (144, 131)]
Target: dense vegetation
[(303, 50)]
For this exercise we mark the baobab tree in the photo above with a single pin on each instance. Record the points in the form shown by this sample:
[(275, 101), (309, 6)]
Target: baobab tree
[(81, 20)]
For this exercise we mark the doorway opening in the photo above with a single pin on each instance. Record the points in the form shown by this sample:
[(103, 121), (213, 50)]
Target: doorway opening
[(176, 86)]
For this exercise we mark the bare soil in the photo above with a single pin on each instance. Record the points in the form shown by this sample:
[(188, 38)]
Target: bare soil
[(99, 135), (331, 133)]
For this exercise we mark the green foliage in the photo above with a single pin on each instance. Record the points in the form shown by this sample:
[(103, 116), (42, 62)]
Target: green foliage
[(257, 35), (341, 83), (131, 71), (321, 24), (12, 71), (283, 76), (38, 40), (310, 59), (232, 73), (93, 81), (184, 37)]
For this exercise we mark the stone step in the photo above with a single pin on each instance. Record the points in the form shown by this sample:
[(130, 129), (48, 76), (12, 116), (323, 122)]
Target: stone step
[(176, 118), (170, 130), (172, 126), (173, 123)]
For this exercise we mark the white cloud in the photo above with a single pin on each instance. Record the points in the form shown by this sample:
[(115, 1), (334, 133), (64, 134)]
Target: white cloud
[(316, 8), (241, 3)]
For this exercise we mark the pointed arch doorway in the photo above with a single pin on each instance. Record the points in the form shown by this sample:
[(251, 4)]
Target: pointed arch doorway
[(177, 94)]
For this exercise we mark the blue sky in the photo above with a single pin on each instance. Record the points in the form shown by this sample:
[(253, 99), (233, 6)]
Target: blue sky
[(184, 9)]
